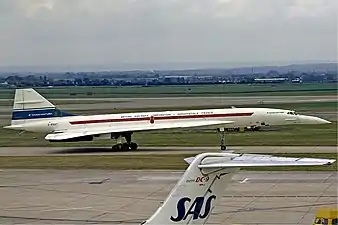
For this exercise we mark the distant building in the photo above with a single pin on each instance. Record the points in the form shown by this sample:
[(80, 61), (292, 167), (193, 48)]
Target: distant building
[(4, 84), (297, 80), (271, 80)]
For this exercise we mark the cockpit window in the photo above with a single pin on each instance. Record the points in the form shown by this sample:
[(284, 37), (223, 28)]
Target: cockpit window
[(292, 113)]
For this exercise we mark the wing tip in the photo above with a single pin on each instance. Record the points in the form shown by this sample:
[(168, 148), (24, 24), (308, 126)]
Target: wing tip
[(330, 162)]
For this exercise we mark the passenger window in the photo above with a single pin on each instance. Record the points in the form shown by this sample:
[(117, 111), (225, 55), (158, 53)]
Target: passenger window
[(318, 221)]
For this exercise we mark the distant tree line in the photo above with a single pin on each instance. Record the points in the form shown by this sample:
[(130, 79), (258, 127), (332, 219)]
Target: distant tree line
[(151, 78)]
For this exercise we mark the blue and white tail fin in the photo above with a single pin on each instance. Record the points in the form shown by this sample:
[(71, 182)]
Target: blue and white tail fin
[(201, 187), (29, 105)]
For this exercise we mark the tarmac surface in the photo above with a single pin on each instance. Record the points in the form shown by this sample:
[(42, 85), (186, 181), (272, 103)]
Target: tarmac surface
[(130, 197), (133, 103), (62, 151), (163, 102)]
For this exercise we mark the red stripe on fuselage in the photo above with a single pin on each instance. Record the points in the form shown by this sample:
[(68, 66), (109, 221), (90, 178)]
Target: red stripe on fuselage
[(159, 118)]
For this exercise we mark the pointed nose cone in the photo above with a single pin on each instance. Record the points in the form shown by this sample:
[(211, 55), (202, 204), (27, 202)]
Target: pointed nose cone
[(312, 120), (324, 121)]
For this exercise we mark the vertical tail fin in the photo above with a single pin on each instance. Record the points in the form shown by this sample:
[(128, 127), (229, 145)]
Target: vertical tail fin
[(29, 104), (198, 191), (25, 99), (194, 197)]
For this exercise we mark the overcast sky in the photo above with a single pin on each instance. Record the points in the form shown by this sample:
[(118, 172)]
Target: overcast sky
[(77, 32)]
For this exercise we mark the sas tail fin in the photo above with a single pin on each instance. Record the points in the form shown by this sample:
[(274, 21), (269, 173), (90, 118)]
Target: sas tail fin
[(201, 187), (29, 104)]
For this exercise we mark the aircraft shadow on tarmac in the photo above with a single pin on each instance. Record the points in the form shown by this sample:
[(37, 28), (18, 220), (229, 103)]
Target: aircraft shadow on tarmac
[(85, 150)]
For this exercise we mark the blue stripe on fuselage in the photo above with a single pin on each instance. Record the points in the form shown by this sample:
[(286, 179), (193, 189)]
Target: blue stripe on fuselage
[(38, 114)]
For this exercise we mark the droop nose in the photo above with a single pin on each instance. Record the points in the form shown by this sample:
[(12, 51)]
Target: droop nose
[(312, 120)]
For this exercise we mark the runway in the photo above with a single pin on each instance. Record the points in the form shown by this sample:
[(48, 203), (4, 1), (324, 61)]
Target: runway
[(62, 151), (130, 197)]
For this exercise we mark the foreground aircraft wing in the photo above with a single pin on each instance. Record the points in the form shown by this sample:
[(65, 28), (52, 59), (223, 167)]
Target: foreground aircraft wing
[(201, 187), (251, 160), (68, 134)]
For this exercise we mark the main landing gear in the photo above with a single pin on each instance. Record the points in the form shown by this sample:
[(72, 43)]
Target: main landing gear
[(128, 145), (221, 132), (124, 146)]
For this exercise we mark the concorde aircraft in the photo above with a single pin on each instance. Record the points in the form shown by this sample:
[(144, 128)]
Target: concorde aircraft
[(32, 112), (201, 187)]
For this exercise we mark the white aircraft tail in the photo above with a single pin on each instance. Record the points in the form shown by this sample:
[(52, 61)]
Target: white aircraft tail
[(199, 190), (29, 104)]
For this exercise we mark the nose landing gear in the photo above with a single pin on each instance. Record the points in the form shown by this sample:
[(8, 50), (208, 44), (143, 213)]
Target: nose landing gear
[(221, 132)]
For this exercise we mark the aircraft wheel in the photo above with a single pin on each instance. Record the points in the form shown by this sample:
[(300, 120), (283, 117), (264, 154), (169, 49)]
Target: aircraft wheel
[(117, 147), (125, 147), (223, 147), (133, 146)]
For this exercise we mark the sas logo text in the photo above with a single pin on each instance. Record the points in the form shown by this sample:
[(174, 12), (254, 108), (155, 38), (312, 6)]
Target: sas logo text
[(195, 208)]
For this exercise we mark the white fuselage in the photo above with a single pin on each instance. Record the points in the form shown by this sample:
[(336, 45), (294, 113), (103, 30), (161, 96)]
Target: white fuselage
[(241, 117)]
